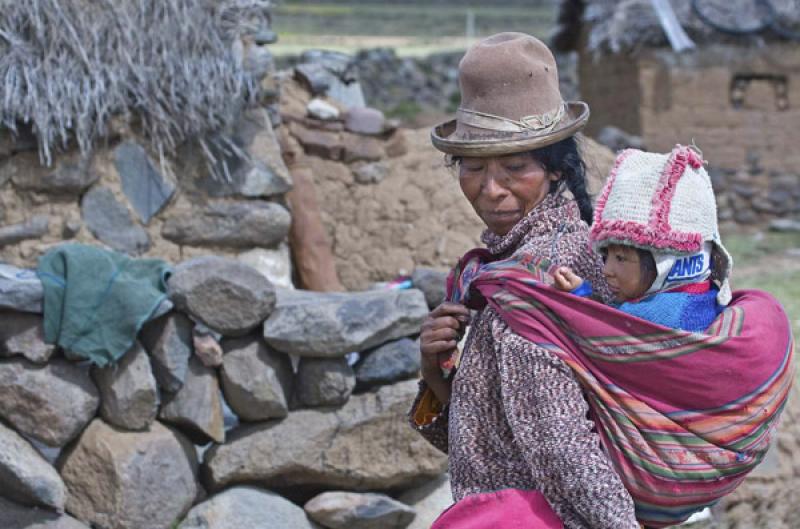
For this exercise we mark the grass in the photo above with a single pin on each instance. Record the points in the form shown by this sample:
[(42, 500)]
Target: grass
[(412, 29), (761, 262)]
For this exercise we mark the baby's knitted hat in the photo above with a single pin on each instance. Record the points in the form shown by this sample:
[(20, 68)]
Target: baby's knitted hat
[(663, 203)]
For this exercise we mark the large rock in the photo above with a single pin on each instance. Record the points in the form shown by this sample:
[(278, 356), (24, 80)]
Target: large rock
[(25, 476), (365, 120), (429, 501), (142, 182), (70, 174), (169, 341), (365, 445), (431, 282), (352, 510), (388, 363), (110, 221), (334, 324), (130, 480), (246, 508), (50, 403), (227, 296), (33, 228), (256, 380), (20, 289), (13, 516), (240, 224), (128, 390), (23, 334), (197, 407), (324, 382), (254, 168)]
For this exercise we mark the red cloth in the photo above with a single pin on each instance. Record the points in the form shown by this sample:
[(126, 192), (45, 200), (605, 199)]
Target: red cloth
[(507, 509)]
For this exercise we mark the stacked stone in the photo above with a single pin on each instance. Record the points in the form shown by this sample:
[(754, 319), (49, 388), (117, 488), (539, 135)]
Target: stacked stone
[(205, 422)]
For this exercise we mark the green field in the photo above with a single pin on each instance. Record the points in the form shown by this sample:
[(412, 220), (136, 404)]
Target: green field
[(410, 28)]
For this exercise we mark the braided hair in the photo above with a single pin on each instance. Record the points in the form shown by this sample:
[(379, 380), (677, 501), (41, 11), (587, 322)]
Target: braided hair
[(565, 159)]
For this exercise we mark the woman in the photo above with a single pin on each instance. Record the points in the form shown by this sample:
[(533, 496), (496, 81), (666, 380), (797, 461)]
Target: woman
[(513, 416)]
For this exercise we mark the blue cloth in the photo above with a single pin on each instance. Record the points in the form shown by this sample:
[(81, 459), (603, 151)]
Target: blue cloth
[(677, 310)]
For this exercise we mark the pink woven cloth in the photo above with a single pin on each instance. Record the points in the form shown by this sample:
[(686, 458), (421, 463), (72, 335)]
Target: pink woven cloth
[(507, 508)]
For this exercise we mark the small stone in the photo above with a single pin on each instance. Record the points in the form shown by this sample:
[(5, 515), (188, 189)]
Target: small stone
[(71, 227), (33, 228), (324, 382), (318, 142), (256, 380), (25, 476), (129, 397), (196, 408), (333, 324), (230, 225), (207, 349), (144, 185), (20, 289), (246, 508), (50, 403), (365, 120), (227, 296), (23, 334), (321, 109), (110, 222), (389, 363), (168, 340), (371, 173), (433, 283), (13, 516), (358, 147), (785, 225), (274, 264), (130, 480), (352, 510), (71, 174)]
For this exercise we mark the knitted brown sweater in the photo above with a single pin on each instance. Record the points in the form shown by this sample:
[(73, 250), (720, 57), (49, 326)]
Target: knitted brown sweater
[(517, 417)]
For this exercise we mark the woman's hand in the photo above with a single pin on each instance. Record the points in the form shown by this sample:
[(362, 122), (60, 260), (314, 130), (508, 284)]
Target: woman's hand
[(566, 280), (438, 341)]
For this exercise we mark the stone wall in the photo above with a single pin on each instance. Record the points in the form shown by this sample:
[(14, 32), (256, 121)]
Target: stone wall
[(746, 131), (237, 392)]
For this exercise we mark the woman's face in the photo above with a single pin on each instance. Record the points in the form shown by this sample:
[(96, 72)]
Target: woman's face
[(503, 189), (623, 272)]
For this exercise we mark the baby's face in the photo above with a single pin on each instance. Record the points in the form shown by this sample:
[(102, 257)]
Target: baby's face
[(623, 272)]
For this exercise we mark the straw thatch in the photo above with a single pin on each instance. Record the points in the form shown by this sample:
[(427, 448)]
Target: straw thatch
[(169, 66), (628, 25)]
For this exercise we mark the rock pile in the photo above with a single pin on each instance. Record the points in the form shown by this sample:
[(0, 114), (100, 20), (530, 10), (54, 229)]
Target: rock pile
[(169, 438)]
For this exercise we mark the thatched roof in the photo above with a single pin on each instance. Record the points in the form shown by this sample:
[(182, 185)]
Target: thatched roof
[(170, 66), (626, 25)]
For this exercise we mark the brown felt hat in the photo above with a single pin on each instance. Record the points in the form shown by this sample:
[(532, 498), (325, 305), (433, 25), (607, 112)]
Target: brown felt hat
[(510, 101)]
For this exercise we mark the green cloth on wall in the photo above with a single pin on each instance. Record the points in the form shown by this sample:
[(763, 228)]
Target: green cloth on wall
[(96, 300)]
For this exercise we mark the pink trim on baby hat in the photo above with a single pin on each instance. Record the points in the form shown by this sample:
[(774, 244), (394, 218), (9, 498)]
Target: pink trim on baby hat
[(679, 158), (637, 234), (603, 198)]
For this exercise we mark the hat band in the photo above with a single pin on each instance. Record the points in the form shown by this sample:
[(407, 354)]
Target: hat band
[(538, 122)]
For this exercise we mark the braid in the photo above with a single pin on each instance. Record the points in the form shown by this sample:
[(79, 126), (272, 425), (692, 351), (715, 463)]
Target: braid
[(565, 159)]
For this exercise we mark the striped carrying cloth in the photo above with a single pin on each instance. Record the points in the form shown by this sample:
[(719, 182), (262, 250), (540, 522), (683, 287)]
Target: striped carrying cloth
[(683, 416)]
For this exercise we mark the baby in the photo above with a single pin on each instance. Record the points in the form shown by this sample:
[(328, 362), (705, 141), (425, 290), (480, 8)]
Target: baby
[(655, 226)]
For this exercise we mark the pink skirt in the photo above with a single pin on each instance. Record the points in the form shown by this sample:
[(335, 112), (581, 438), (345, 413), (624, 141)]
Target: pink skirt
[(507, 508)]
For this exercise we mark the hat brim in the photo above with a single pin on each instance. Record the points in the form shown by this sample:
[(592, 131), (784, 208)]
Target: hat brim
[(444, 139)]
